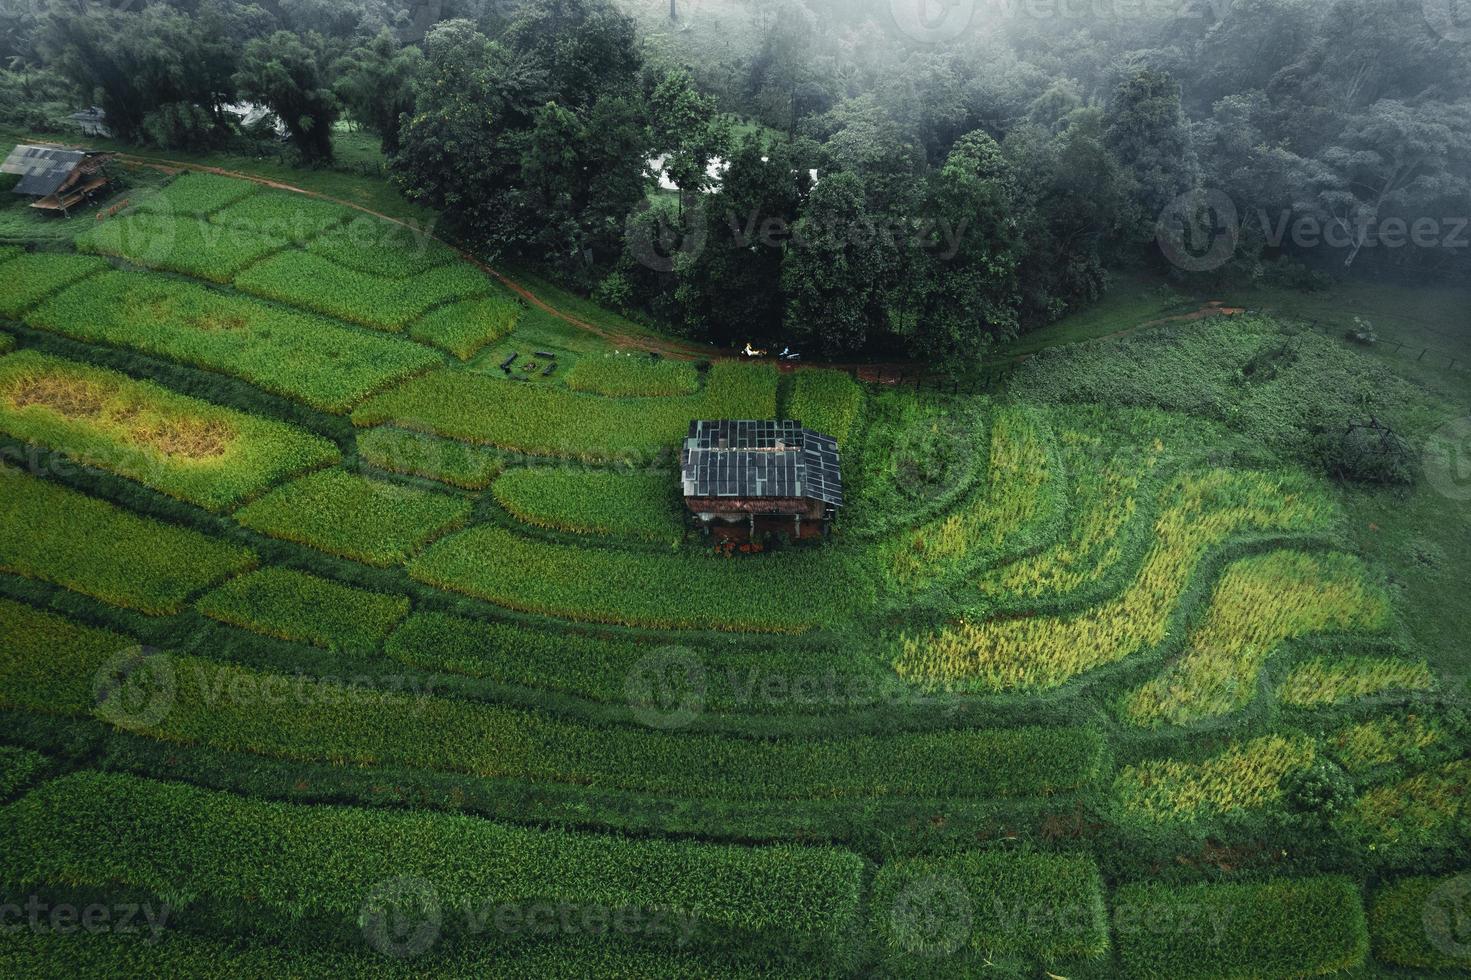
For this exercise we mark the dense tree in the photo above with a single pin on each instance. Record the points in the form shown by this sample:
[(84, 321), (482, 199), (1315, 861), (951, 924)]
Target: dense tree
[(374, 85), (282, 72), (1148, 134), (834, 269), (687, 133)]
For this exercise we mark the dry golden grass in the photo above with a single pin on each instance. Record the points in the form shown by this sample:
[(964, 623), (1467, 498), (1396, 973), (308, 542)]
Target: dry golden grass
[(1245, 776), (1325, 681), (1203, 510)]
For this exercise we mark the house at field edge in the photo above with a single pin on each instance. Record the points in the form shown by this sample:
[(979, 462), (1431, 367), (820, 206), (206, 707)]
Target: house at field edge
[(749, 478), (58, 179)]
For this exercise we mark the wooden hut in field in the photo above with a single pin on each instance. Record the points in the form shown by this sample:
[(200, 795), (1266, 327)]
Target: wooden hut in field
[(58, 179), (750, 478)]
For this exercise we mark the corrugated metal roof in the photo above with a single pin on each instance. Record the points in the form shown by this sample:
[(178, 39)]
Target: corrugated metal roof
[(760, 459), (43, 169)]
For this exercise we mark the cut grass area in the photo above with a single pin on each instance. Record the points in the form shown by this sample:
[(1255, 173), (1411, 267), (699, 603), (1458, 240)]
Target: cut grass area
[(294, 218), (356, 517), (177, 243), (57, 535), (296, 606), (1202, 511), (1246, 776), (631, 505), (30, 278), (978, 902), (1269, 931), (1326, 681), (633, 376), (548, 421), (231, 708), (790, 592), (312, 283), (1132, 301), (313, 360), (196, 195), (466, 327), (1259, 603), (826, 401), (182, 446), (167, 837), (420, 454)]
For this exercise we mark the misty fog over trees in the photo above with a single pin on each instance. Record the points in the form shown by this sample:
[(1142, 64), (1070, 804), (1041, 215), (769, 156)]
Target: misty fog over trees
[(844, 176)]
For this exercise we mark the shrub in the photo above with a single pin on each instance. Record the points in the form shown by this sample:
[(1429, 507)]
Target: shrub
[(633, 375), (418, 454), (382, 248), (1276, 929), (304, 357), (994, 899), (197, 194), (1318, 795), (545, 421), (183, 244), (312, 283), (295, 218), (19, 767), (633, 505), (1246, 776), (172, 839), (1258, 603), (182, 446), (1325, 681), (296, 606), (34, 276), (1418, 923), (464, 328), (58, 535), (827, 401), (788, 593), (1203, 510), (368, 520)]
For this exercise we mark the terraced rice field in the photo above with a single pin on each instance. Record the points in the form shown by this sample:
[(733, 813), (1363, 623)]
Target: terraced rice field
[(357, 656)]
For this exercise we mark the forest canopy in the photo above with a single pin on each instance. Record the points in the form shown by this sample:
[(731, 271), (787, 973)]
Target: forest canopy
[(838, 175)]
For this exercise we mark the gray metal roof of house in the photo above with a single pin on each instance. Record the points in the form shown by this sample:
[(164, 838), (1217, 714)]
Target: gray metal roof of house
[(43, 169), (760, 459)]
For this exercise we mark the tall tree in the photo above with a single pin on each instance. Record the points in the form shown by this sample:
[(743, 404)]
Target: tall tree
[(282, 72), (1148, 134), (374, 85), (833, 270)]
